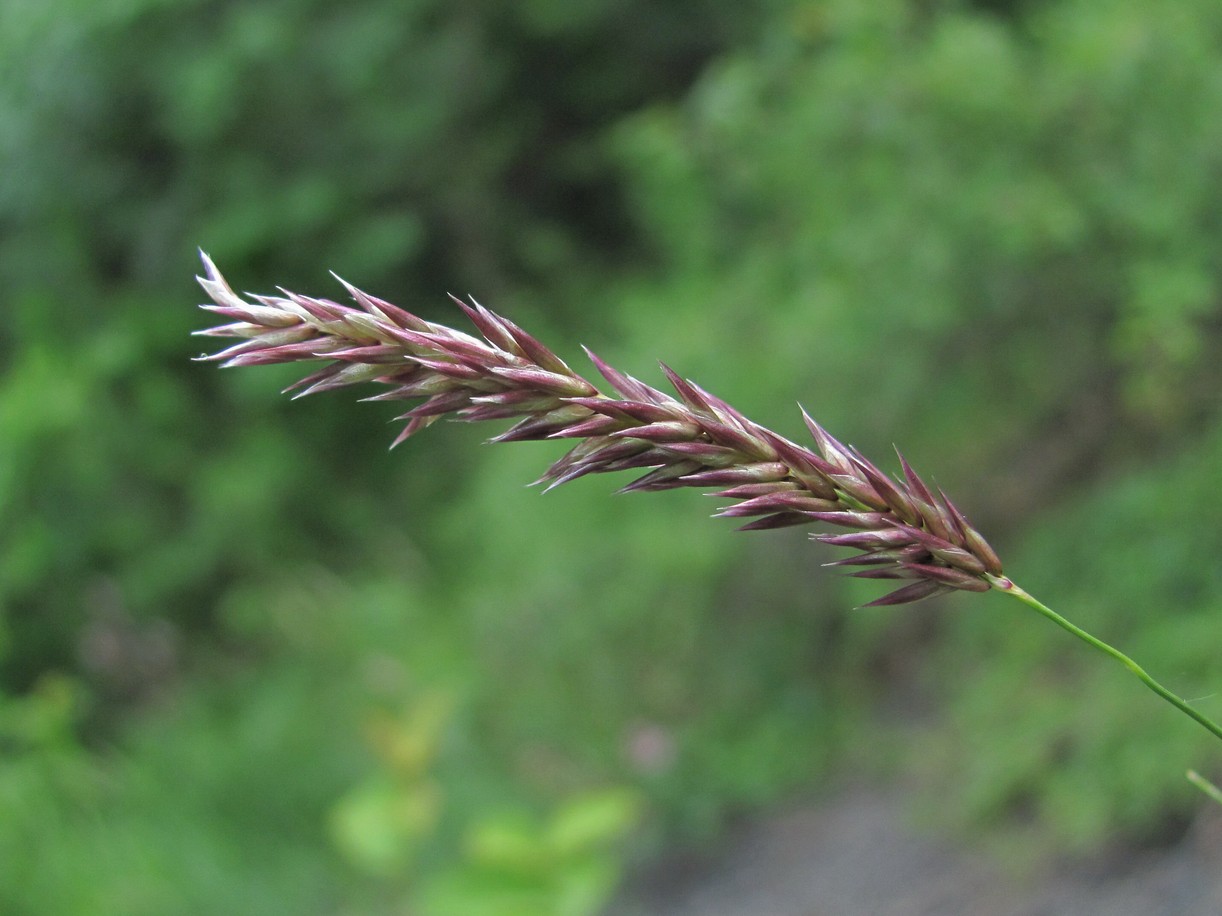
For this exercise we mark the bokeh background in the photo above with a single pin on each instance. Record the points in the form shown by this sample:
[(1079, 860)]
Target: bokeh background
[(252, 662)]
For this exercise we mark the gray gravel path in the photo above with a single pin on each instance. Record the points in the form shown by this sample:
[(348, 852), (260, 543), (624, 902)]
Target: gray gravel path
[(858, 854)]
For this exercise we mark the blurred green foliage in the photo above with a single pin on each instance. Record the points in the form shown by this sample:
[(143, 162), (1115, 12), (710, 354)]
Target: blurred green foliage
[(515, 866), (250, 662)]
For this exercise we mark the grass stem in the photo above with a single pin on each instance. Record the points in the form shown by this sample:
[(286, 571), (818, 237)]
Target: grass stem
[(1005, 585), (1205, 786)]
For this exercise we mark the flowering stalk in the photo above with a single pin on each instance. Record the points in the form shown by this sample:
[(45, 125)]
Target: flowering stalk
[(900, 528)]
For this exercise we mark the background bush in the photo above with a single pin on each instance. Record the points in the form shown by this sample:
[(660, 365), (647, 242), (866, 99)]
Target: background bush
[(248, 656)]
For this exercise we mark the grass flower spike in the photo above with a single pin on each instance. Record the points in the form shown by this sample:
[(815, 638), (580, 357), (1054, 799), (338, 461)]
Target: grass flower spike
[(900, 528)]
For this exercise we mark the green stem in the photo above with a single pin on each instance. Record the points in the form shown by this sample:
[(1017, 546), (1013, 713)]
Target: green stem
[(1005, 585), (1205, 786)]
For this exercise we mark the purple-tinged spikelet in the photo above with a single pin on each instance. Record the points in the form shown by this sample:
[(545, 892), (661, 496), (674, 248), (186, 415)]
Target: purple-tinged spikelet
[(902, 530)]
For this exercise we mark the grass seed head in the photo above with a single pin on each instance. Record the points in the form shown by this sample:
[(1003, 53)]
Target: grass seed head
[(901, 529)]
